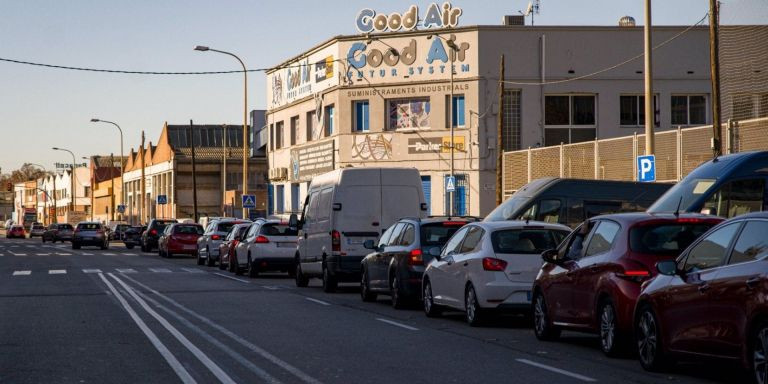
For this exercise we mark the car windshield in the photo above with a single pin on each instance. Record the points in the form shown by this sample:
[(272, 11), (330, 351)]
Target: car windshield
[(188, 229), (89, 227), (665, 239), (271, 229), (526, 241), (437, 234)]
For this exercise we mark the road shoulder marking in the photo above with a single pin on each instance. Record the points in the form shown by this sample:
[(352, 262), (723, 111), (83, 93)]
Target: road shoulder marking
[(317, 301), (22, 273), (396, 324), (57, 271), (231, 278), (556, 370)]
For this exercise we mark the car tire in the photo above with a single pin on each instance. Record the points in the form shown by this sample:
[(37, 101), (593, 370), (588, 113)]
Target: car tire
[(105, 246), (129, 246), (365, 287), (222, 266), (542, 327), (209, 260), (299, 278), (233, 266), (253, 271), (473, 313), (200, 260), (430, 308), (649, 347), (396, 294), (75, 246), (759, 349), (143, 247), (329, 282), (168, 255), (611, 342), (43, 239)]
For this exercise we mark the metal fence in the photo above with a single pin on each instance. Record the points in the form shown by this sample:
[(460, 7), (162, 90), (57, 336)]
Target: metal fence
[(678, 152)]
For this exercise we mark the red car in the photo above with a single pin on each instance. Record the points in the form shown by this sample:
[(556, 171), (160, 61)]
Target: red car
[(227, 247), (711, 301), (179, 239), (592, 281), (16, 231)]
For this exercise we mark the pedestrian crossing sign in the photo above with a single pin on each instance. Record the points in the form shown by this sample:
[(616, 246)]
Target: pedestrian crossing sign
[(249, 201), (450, 184)]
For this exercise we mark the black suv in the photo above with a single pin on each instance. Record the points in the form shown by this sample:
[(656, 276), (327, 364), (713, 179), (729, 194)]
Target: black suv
[(58, 232), (154, 229), (398, 260), (132, 236), (90, 233)]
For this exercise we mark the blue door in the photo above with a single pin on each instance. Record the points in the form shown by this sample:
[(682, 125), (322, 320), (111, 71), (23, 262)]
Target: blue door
[(294, 198), (270, 199), (426, 185)]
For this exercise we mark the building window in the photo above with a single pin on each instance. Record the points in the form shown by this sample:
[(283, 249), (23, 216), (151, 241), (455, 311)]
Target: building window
[(408, 113), (510, 135), (294, 129), (329, 128), (279, 135), (689, 109), (295, 198), (361, 117), (632, 110), (311, 125), (569, 118), (271, 137), (749, 106), (458, 116)]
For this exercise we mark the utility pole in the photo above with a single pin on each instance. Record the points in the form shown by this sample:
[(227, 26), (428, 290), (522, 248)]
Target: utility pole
[(650, 116), (143, 198), (714, 65), (112, 177), (224, 173), (499, 135), (194, 174)]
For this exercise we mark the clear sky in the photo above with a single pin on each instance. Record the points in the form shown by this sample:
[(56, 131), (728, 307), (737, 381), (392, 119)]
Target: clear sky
[(41, 108)]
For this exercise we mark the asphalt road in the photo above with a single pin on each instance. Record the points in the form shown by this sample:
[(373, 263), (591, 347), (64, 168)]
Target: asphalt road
[(122, 316)]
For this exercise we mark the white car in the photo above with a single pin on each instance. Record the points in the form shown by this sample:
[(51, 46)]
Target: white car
[(489, 267), (269, 245)]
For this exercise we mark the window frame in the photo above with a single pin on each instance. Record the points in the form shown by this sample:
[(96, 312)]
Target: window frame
[(366, 122), (570, 110), (688, 109), (453, 111), (388, 103), (594, 231), (329, 112), (683, 262), (641, 108), (732, 248)]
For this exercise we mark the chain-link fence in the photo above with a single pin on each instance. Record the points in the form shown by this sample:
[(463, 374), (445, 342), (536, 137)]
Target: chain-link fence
[(678, 152)]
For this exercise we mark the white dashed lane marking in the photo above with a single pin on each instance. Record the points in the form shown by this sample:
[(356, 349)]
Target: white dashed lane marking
[(125, 270), (22, 273), (193, 270), (91, 270), (57, 272), (160, 270)]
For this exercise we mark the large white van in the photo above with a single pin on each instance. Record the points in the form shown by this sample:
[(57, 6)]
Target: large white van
[(343, 209)]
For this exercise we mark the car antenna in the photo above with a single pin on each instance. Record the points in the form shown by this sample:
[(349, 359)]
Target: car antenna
[(677, 211)]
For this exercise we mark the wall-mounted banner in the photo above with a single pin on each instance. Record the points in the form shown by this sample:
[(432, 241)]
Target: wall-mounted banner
[(303, 77), (311, 160), (435, 144), (436, 16)]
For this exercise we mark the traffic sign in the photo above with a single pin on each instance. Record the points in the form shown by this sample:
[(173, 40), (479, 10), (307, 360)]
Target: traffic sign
[(450, 184), (162, 199), (249, 201), (646, 168), (121, 208)]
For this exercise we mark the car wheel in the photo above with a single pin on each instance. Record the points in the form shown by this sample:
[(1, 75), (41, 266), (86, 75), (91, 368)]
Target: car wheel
[(143, 247), (430, 308), (301, 280), (168, 254), (649, 348), (222, 266), (329, 281), (473, 312), (209, 261), (75, 246), (398, 301), (253, 271), (129, 246), (233, 265), (760, 354), (365, 287), (42, 238), (105, 246), (610, 340), (200, 260), (541, 322)]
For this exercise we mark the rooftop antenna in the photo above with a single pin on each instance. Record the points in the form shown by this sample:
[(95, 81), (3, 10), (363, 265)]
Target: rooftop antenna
[(532, 9), (677, 210)]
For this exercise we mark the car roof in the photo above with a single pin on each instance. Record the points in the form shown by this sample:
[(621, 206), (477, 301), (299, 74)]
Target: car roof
[(515, 224), (752, 215), (636, 217), (440, 219)]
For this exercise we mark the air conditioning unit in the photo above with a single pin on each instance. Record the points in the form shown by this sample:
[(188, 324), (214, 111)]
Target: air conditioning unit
[(280, 173), (509, 20)]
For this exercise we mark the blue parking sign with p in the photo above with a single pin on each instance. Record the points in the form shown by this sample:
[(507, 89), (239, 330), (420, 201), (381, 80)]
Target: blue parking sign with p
[(646, 168)]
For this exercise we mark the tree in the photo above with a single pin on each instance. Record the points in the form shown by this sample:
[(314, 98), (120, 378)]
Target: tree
[(27, 172)]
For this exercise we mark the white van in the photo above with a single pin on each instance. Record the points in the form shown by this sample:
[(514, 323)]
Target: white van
[(343, 209)]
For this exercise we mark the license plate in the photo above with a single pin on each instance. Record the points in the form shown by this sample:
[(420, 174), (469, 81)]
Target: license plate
[(285, 245), (190, 246), (355, 241)]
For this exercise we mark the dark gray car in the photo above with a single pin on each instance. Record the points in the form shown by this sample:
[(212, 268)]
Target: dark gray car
[(90, 233)]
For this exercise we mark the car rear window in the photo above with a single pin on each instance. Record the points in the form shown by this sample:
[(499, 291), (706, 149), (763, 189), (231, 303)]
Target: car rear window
[(437, 234), (188, 229), (89, 227), (38, 227), (227, 226), (665, 239), (160, 225), (278, 230), (65, 226), (525, 241)]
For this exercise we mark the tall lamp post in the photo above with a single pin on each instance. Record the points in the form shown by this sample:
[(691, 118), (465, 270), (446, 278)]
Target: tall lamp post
[(451, 58), (245, 118), (72, 177), (122, 167)]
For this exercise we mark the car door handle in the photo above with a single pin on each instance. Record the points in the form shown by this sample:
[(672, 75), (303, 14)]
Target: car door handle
[(752, 283)]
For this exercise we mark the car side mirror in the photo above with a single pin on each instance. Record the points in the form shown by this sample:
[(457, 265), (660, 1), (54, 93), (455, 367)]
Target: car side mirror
[(550, 256), (293, 222), (667, 267), (435, 252), (369, 244)]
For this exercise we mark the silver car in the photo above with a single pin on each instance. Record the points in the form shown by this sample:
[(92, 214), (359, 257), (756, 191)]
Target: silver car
[(489, 267), (208, 243), (269, 245)]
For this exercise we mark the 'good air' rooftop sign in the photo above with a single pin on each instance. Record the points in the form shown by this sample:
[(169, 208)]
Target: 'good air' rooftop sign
[(436, 17)]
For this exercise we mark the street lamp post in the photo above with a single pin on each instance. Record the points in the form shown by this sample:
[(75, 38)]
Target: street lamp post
[(122, 168), (245, 118), (72, 177)]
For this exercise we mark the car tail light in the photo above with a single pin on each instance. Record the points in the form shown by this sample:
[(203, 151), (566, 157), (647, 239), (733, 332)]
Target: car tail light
[(414, 258), (454, 223), (637, 275), (215, 237), (335, 241), (261, 240), (493, 264), (153, 232)]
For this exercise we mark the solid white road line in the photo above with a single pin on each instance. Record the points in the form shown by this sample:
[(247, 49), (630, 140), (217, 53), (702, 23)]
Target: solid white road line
[(87, 254), (91, 270), (169, 357), (63, 254), (254, 348), (215, 369), (556, 370), (396, 324), (317, 301), (129, 254), (42, 254), (193, 270), (125, 270), (22, 273), (232, 278), (109, 254), (160, 270), (57, 271)]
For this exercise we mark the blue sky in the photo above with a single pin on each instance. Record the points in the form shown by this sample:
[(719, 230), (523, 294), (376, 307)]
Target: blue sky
[(41, 108)]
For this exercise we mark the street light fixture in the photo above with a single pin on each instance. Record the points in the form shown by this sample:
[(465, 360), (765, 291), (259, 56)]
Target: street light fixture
[(123, 198), (203, 48), (74, 192)]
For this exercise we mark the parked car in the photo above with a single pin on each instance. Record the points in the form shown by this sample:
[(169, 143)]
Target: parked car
[(269, 245), (36, 230), (208, 243), (179, 239), (489, 267), (343, 209), (16, 231), (710, 301), (58, 232), (398, 260), (7, 224), (591, 282), (571, 201), (726, 186), (117, 229), (132, 236), (227, 247), (152, 234), (90, 233)]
